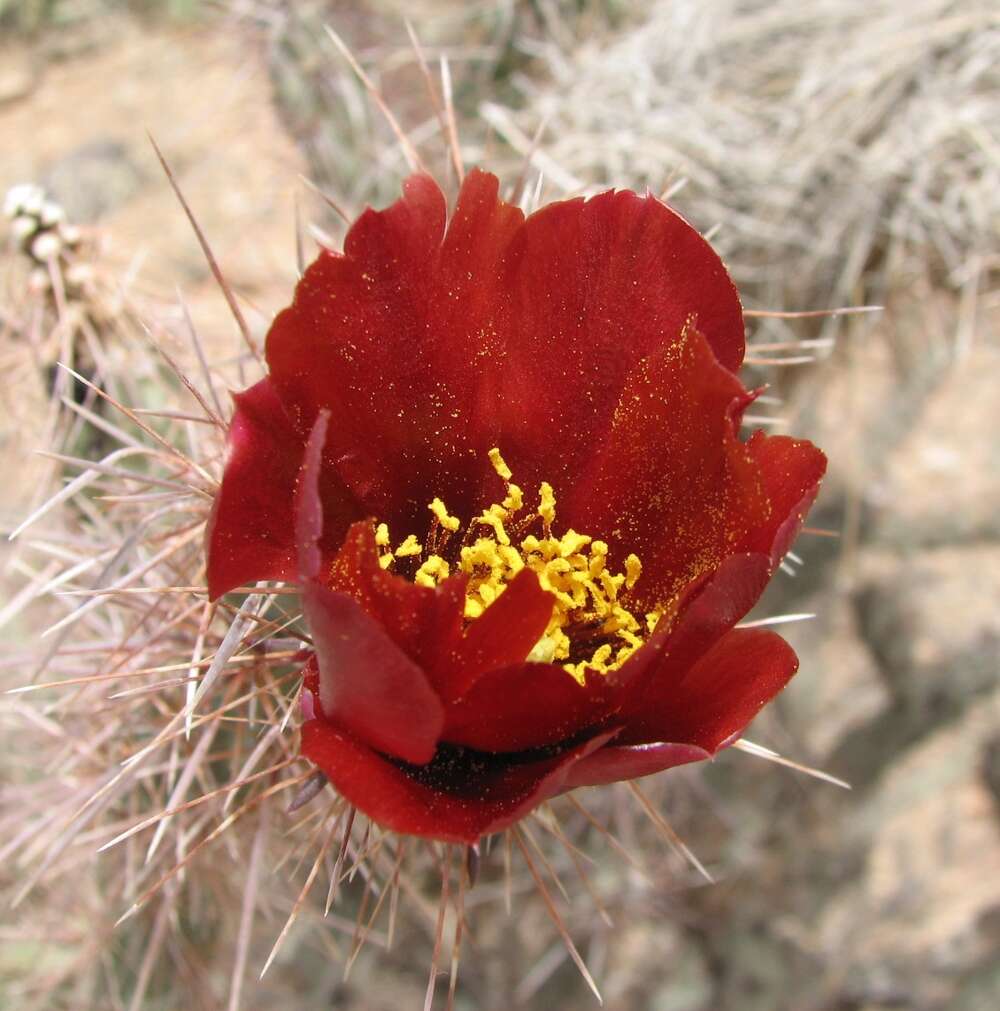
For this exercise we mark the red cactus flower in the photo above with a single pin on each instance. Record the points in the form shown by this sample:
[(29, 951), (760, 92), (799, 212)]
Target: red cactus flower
[(481, 645)]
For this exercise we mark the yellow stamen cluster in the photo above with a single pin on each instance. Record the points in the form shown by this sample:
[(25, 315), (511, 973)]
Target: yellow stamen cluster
[(590, 627)]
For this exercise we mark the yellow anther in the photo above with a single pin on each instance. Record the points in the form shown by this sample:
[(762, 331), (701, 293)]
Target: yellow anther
[(503, 471), (514, 499), (511, 558), (480, 558), (598, 558), (382, 535), (411, 546), (611, 584), (572, 543), (544, 651), (599, 605), (488, 519), (547, 505), (633, 570), (630, 637), (433, 571), (450, 523)]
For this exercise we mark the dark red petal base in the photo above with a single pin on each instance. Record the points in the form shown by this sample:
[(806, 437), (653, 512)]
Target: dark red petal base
[(459, 797)]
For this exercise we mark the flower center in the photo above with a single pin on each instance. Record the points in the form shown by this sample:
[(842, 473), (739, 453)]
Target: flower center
[(591, 625)]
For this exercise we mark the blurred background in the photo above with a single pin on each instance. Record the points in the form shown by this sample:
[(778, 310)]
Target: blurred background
[(839, 153)]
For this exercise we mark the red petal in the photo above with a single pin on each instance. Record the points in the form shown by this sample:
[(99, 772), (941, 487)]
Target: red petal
[(790, 470), (550, 783), (528, 706), (366, 683), (429, 348), (251, 533), (424, 623), (612, 764), (308, 506), (595, 287), (459, 798), (532, 705), (385, 337), (709, 610), (503, 635), (672, 482), (427, 623), (717, 697)]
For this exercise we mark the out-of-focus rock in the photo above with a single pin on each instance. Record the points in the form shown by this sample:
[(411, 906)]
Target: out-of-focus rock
[(980, 989), (839, 686), (942, 484), (850, 418), (932, 619), (18, 73), (991, 769), (688, 986), (915, 922), (98, 177), (904, 412), (931, 623), (889, 895), (653, 970)]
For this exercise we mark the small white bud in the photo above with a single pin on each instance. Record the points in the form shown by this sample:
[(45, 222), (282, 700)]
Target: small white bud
[(32, 200), (22, 199), (51, 213), (46, 246), (22, 227)]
